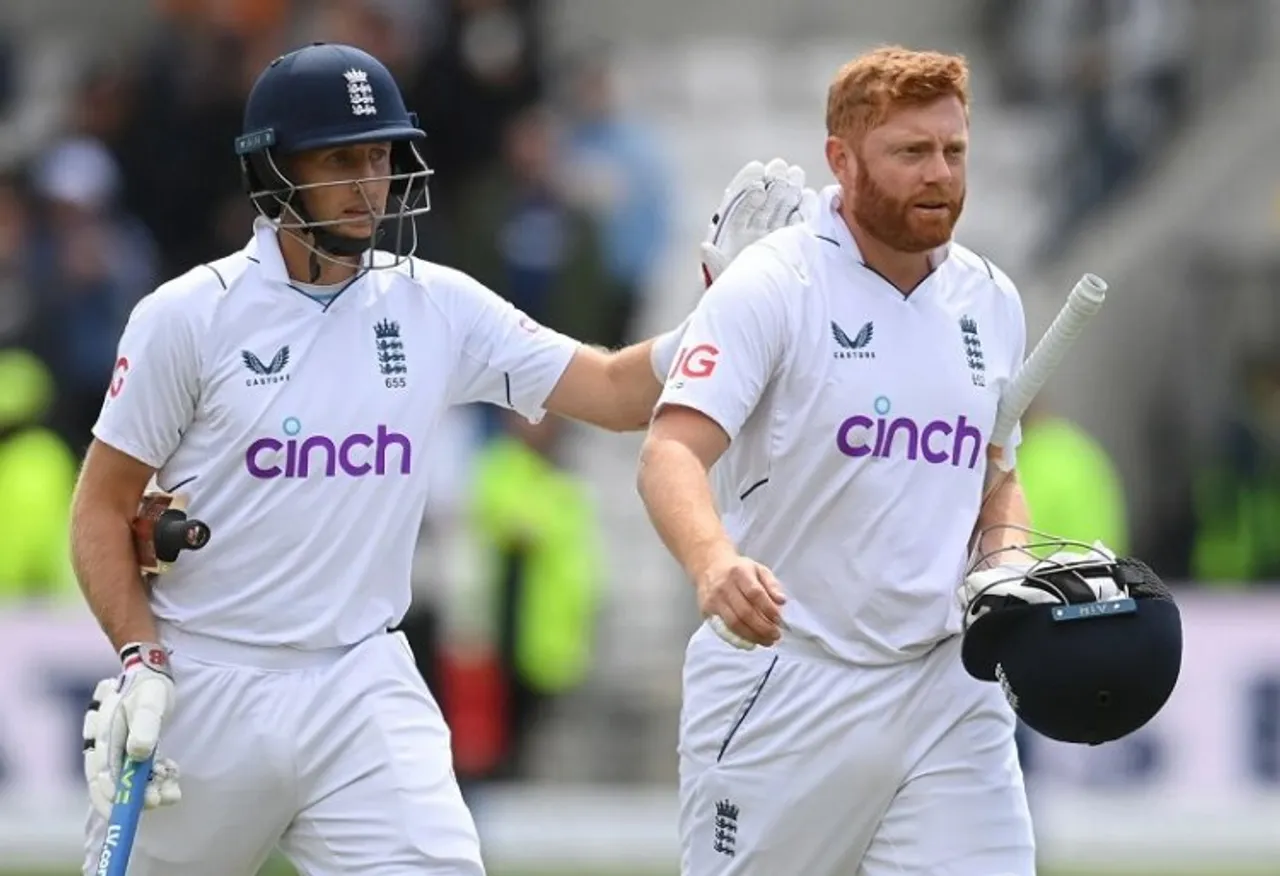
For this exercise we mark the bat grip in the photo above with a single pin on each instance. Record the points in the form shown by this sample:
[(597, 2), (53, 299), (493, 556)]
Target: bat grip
[(1086, 298), (721, 629)]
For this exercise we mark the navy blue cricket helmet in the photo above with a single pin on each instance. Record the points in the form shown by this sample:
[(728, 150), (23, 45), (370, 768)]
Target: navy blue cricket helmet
[(1086, 646), (323, 96)]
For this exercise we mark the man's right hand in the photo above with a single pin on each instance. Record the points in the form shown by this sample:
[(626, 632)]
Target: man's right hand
[(129, 716), (742, 601), (759, 200)]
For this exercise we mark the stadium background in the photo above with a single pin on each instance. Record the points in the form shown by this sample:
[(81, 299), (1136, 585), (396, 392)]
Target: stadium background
[(1131, 138)]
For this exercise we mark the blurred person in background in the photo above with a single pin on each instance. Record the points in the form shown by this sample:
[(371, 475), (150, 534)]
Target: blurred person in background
[(93, 262), (37, 475), (179, 107), (517, 233), (1115, 75), (406, 35), (19, 301), (1100, 157), (615, 172), (542, 576), (8, 73), (1237, 494), (1071, 484), (485, 69)]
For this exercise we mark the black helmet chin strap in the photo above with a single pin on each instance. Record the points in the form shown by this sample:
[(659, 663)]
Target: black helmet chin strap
[(273, 193), (330, 242)]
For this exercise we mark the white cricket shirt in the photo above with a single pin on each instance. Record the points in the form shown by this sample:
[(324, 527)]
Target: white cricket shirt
[(859, 421), (301, 431)]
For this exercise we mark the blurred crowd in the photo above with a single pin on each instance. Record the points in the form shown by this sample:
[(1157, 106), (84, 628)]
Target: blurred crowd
[(547, 191), (1115, 77), (1117, 81)]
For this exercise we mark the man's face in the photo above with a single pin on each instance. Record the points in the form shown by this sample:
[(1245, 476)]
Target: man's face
[(351, 184), (905, 181)]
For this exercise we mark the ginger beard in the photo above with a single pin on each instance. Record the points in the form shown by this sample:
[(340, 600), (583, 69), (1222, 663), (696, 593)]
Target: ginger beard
[(896, 222)]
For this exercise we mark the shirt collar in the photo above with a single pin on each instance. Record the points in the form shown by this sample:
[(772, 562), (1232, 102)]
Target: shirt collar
[(264, 249)]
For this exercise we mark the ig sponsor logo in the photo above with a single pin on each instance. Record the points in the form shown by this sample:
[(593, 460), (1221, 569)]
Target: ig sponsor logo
[(693, 363)]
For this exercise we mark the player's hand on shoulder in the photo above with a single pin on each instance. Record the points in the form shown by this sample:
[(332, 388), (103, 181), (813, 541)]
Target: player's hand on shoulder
[(125, 719), (742, 601), (760, 199)]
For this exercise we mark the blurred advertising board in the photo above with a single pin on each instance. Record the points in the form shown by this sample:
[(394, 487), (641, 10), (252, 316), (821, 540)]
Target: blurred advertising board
[(1218, 735)]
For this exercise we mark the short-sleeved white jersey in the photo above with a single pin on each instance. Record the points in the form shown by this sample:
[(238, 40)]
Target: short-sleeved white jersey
[(300, 431), (859, 421)]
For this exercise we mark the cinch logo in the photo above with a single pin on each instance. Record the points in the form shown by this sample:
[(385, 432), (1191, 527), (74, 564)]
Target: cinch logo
[(356, 455), (937, 442)]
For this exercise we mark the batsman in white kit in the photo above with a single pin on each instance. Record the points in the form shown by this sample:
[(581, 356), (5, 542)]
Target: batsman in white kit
[(816, 464), (290, 392)]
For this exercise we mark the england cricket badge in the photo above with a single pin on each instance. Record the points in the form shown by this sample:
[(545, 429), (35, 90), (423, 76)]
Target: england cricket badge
[(973, 350)]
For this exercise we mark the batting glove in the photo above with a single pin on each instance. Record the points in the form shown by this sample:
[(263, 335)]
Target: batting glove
[(759, 200), (125, 719)]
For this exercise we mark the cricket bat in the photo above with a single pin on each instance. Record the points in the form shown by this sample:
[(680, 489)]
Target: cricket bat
[(1083, 303), (162, 530), (126, 811)]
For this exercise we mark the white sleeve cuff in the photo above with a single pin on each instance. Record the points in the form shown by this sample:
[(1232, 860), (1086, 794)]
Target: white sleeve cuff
[(662, 355)]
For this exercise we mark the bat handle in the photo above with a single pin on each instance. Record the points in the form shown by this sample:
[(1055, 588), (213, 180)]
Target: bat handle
[(721, 629), (175, 532), (126, 812)]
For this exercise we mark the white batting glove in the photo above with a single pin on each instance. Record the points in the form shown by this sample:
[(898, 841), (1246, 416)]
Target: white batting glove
[(125, 720), (760, 199)]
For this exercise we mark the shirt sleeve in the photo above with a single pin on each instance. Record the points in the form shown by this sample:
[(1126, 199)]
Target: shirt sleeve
[(151, 399), (507, 359), (734, 344)]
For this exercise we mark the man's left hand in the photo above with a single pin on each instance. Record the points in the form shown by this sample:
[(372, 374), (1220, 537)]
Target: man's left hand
[(102, 769)]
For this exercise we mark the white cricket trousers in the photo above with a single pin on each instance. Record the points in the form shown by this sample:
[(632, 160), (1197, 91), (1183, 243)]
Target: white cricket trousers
[(341, 758), (795, 764)]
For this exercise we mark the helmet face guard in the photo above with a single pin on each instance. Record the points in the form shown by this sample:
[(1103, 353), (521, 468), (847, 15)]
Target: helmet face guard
[(1086, 646), (1069, 572), (282, 200), (326, 96)]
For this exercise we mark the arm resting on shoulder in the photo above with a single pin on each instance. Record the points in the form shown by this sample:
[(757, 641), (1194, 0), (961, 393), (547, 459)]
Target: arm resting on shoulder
[(616, 391)]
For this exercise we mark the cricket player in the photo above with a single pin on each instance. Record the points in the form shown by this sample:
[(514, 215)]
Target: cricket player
[(839, 382), (291, 392)]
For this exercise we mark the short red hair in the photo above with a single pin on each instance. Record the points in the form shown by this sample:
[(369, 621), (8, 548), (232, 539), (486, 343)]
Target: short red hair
[(871, 86)]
